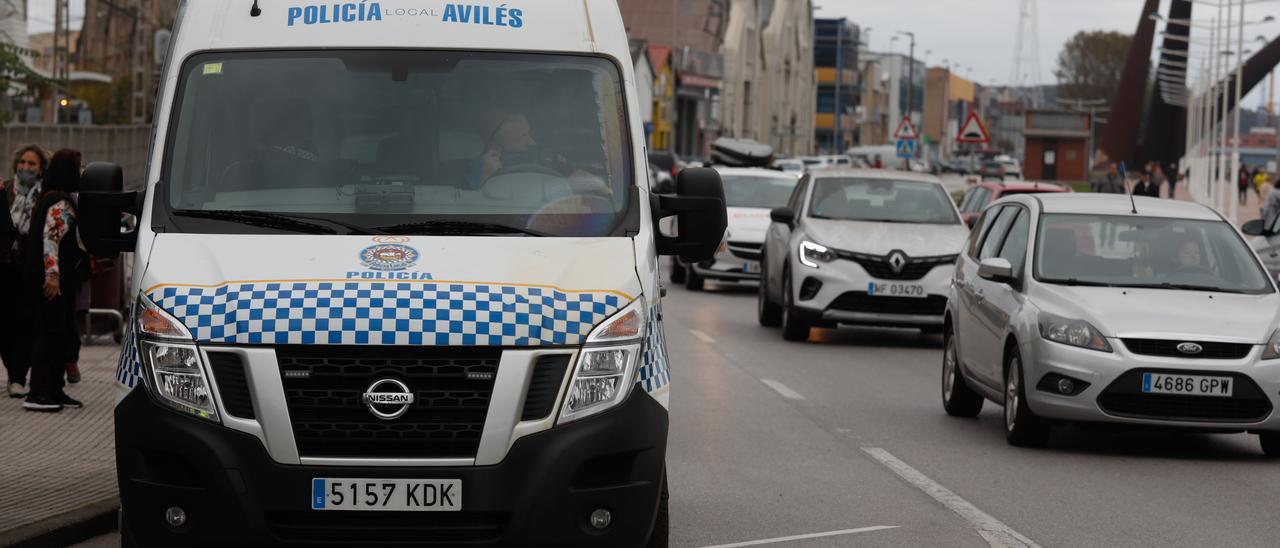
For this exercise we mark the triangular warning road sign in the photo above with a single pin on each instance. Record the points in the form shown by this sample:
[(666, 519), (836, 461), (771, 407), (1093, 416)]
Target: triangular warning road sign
[(906, 130), (973, 131)]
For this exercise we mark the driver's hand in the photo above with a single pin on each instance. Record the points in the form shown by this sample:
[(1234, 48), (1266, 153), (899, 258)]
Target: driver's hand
[(491, 162)]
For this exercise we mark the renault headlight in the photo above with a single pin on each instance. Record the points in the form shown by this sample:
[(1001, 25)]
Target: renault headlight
[(811, 254), (1272, 350), (606, 367), (1077, 333), (173, 371)]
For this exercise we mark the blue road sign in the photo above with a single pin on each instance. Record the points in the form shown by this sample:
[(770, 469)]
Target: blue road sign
[(906, 148)]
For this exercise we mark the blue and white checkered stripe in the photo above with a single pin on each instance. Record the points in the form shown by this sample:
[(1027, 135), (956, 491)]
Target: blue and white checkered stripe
[(386, 313), (129, 371), (655, 371)]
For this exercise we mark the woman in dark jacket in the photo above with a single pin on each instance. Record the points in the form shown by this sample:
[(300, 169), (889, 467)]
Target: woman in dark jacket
[(54, 266), (17, 196)]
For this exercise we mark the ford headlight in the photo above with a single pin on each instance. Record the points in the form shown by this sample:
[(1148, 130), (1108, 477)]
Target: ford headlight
[(173, 370), (1077, 333), (811, 254), (1272, 350), (606, 367)]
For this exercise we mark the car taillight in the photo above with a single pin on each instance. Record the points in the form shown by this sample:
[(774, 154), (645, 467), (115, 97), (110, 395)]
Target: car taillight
[(673, 171)]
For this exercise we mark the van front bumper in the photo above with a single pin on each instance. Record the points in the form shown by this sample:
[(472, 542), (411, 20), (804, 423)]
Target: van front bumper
[(541, 494)]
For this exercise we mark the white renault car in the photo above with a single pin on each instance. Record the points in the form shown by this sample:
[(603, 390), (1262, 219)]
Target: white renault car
[(860, 247), (750, 194), (1093, 308)]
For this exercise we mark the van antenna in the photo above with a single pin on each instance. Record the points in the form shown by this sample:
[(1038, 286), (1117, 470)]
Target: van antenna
[(255, 11)]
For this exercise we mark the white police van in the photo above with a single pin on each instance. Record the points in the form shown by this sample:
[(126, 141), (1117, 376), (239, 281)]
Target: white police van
[(397, 280)]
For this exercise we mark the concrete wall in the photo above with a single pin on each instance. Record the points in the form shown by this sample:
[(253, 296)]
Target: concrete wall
[(123, 145), (769, 91)]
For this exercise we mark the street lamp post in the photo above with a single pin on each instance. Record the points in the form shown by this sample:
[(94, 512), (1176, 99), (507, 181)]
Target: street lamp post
[(837, 138), (911, 78)]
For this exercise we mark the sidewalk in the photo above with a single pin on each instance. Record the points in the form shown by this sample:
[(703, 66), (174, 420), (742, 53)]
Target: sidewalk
[(1250, 210), (60, 463)]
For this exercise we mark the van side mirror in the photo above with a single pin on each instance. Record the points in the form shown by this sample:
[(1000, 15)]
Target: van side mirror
[(698, 206), (1254, 228), (996, 269), (102, 203), (782, 215)]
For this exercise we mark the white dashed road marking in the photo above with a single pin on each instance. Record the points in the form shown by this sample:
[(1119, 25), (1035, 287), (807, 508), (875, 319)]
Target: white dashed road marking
[(805, 537), (782, 389), (702, 336), (997, 534)]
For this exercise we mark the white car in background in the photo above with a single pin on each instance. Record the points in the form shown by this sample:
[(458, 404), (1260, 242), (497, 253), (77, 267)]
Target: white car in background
[(860, 247), (750, 194), (1012, 169)]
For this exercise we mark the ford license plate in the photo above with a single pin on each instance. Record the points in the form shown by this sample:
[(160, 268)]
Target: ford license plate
[(1187, 385), (386, 495), (889, 289), (751, 267)]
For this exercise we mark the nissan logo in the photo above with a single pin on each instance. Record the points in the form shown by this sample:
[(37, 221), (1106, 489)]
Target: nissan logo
[(1190, 348), (388, 398)]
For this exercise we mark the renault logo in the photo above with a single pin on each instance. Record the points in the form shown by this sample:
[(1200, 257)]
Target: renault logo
[(1190, 348), (388, 398), (897, 261)]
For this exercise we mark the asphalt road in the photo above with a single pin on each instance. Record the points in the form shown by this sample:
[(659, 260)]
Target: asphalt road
[(844, 436), (774, 439)]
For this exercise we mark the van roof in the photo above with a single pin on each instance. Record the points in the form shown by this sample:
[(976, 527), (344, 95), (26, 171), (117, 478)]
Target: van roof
[(565, 26)]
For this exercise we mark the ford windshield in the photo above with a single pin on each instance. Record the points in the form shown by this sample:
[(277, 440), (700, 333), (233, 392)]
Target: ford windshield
[(398, 142)]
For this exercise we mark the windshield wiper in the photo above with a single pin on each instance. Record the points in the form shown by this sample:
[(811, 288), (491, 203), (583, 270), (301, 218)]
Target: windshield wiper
[(1076, 282), (1188, 287), (355, 229), (443, 227), (256, 218)]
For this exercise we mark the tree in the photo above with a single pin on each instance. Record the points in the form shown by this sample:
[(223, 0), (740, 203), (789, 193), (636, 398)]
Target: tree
[(1090, 64)]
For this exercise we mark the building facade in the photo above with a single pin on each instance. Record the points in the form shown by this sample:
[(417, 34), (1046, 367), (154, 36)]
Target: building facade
[(837, 97), (905, 77), (768, 92), (948, 100), (125, 40), (873, 108), (692, 32)]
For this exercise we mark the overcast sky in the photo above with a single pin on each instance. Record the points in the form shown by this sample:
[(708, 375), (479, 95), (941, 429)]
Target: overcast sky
[(977, 34)]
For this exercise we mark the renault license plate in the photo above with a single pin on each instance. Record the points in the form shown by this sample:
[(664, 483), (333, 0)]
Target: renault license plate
[(1187, 385), (386, 495), (884, 289)]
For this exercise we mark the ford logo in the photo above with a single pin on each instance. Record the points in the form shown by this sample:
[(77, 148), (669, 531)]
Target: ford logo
[(1190, 348), (388, 399)]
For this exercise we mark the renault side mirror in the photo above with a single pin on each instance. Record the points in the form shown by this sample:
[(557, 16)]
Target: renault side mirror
[(101, 205), (698, 206), (1254, 228), (996, 269), (782, 215)]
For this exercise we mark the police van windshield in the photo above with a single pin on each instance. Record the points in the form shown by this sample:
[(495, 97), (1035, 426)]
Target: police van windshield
[(398, 142)]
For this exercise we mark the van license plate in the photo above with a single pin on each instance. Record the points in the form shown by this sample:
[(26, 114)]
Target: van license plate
[(1187, 385), (386, 495), (880, 289)]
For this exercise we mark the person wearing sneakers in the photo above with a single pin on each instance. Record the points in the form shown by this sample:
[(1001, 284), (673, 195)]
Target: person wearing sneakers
[(18, 198), (53, 269)]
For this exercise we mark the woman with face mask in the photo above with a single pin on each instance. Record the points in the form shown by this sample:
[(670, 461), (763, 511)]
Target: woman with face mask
[(20, 193)]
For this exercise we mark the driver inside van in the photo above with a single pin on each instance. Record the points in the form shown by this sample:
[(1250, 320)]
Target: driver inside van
[(508, 138)]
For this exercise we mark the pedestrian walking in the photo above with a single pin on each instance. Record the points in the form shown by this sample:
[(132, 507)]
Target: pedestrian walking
[(1109, 182), (54, 266), (1144, 186), (1243, 181), (1158, 179), (19, 194)]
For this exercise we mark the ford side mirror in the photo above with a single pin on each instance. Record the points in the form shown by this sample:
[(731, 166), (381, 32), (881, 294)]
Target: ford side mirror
[(782, 215), (996, 269), (698, 206), (102, 204), (1254, 228)]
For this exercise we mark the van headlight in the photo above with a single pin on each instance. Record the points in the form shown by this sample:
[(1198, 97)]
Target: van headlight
[(606, 366), (1077, 333), (811, 254), (1272, 350), (173, 370)]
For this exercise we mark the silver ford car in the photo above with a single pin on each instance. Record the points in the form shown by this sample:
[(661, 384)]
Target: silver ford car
[(1093, 308)]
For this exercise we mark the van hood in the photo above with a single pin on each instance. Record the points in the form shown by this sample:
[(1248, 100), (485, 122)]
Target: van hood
[(305, 289), (748, 224), (1167, 314), (916, 240)]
